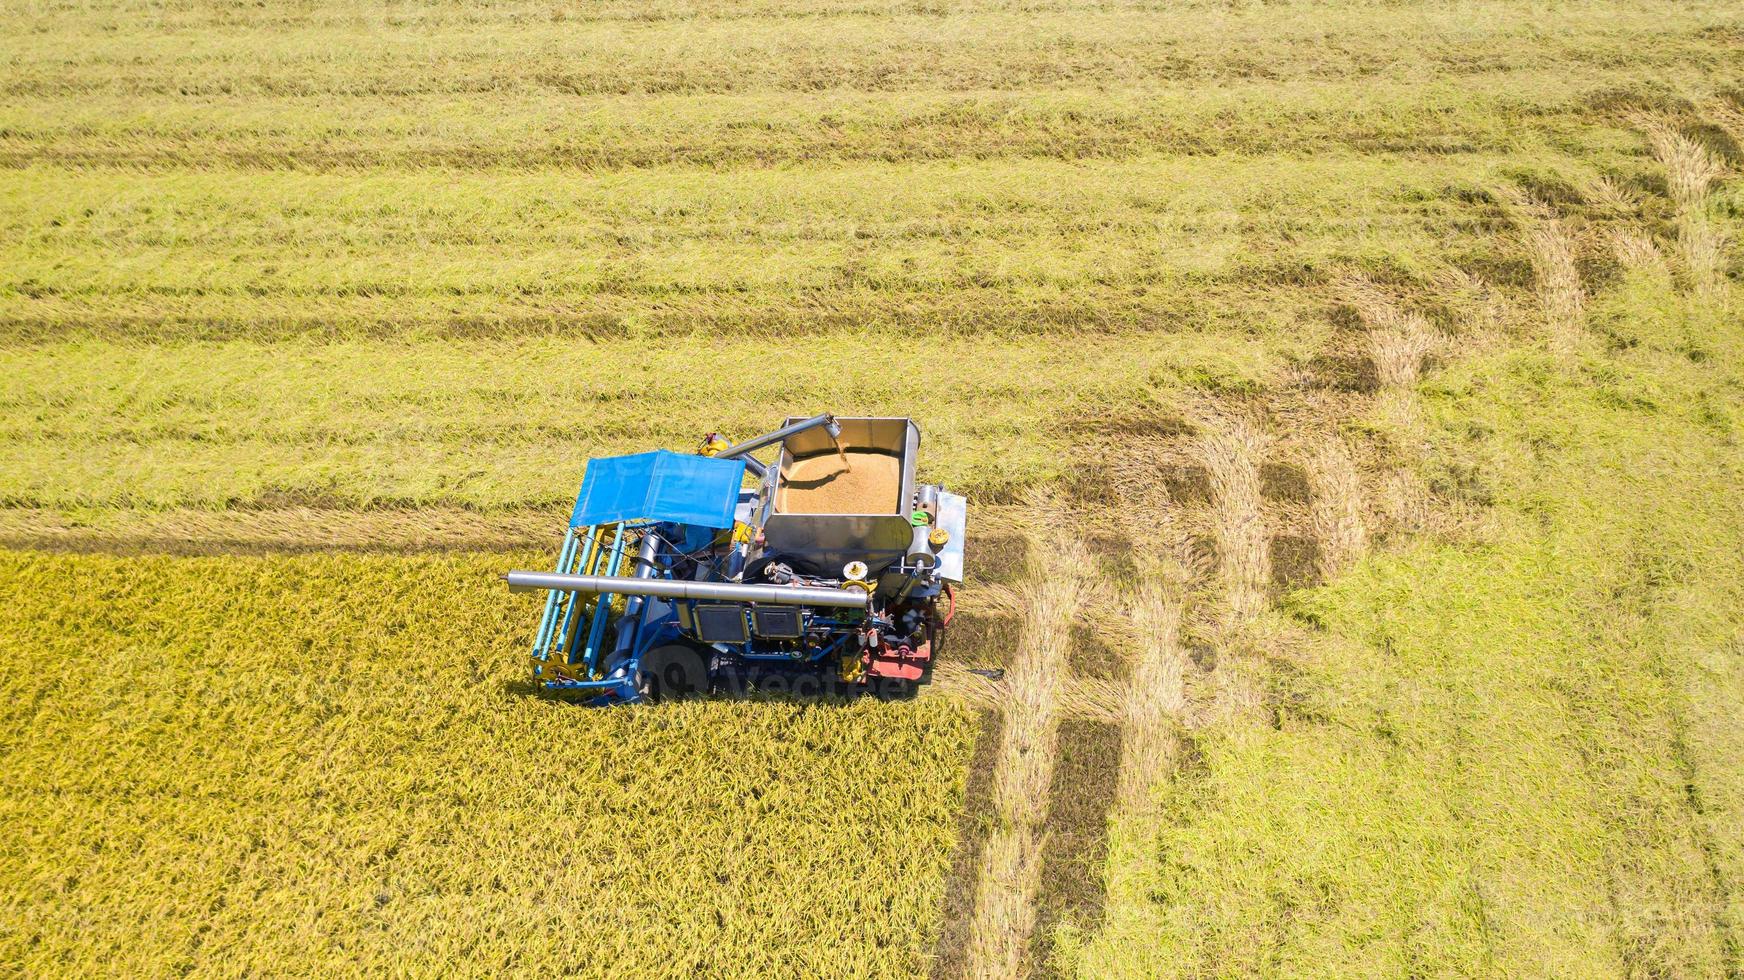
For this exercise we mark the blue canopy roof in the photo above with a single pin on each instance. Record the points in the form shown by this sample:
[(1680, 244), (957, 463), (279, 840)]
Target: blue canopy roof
[(659, 486)]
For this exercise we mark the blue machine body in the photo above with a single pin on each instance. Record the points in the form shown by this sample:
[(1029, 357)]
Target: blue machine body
[(681, 501)]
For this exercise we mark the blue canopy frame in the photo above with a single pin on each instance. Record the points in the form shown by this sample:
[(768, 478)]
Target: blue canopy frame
[(659, 486)]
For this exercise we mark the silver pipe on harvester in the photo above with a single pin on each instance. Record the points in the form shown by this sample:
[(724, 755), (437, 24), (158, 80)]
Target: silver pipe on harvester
[(769, 438), (644, 567), (665, 588)]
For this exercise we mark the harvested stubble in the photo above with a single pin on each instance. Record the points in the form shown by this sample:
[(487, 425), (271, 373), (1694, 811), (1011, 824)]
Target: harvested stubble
[(367, 85), (1339, 511), (1004, 918), (1561, 292), (1509, 748), (494, 424), (1233, 450)]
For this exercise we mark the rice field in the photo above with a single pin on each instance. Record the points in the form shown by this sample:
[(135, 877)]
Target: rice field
[(332, 764), (1349, 396)]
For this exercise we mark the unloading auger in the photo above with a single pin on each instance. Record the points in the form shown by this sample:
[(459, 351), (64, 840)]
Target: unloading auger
[(823, 571)]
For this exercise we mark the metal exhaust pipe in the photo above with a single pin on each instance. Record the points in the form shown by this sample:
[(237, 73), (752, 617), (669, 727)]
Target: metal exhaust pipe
[(781, 595)]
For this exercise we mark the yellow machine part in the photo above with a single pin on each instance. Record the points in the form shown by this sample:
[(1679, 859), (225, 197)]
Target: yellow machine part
[(550, 670), (852, 667)]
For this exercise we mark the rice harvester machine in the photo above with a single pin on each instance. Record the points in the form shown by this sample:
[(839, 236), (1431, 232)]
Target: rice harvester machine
[(830, 568)]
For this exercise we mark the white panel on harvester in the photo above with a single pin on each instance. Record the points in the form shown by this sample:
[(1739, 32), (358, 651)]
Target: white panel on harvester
[(954, 519)]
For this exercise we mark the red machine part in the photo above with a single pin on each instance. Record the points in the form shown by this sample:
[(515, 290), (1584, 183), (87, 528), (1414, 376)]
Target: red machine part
[(901, 662)]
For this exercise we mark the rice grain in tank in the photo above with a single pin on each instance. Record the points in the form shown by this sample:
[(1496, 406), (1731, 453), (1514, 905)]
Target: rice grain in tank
[(869, 483)]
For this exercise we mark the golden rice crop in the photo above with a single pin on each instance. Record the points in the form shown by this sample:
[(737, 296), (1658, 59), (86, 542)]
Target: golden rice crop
[(330, 764)]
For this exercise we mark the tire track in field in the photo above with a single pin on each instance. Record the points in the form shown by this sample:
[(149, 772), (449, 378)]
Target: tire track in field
[(1399, 340), (1233, 449), (1256, 496), (1360, 490), (1691, 170), (1156, 699), (1562, 296), (1208, 575), (1004, 916), (1338, 512)]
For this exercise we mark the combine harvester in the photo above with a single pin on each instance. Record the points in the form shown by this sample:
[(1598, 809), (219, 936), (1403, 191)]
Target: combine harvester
[(826, 575)]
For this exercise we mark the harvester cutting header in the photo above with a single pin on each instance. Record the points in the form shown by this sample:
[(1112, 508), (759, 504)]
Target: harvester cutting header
[(829, 569)]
